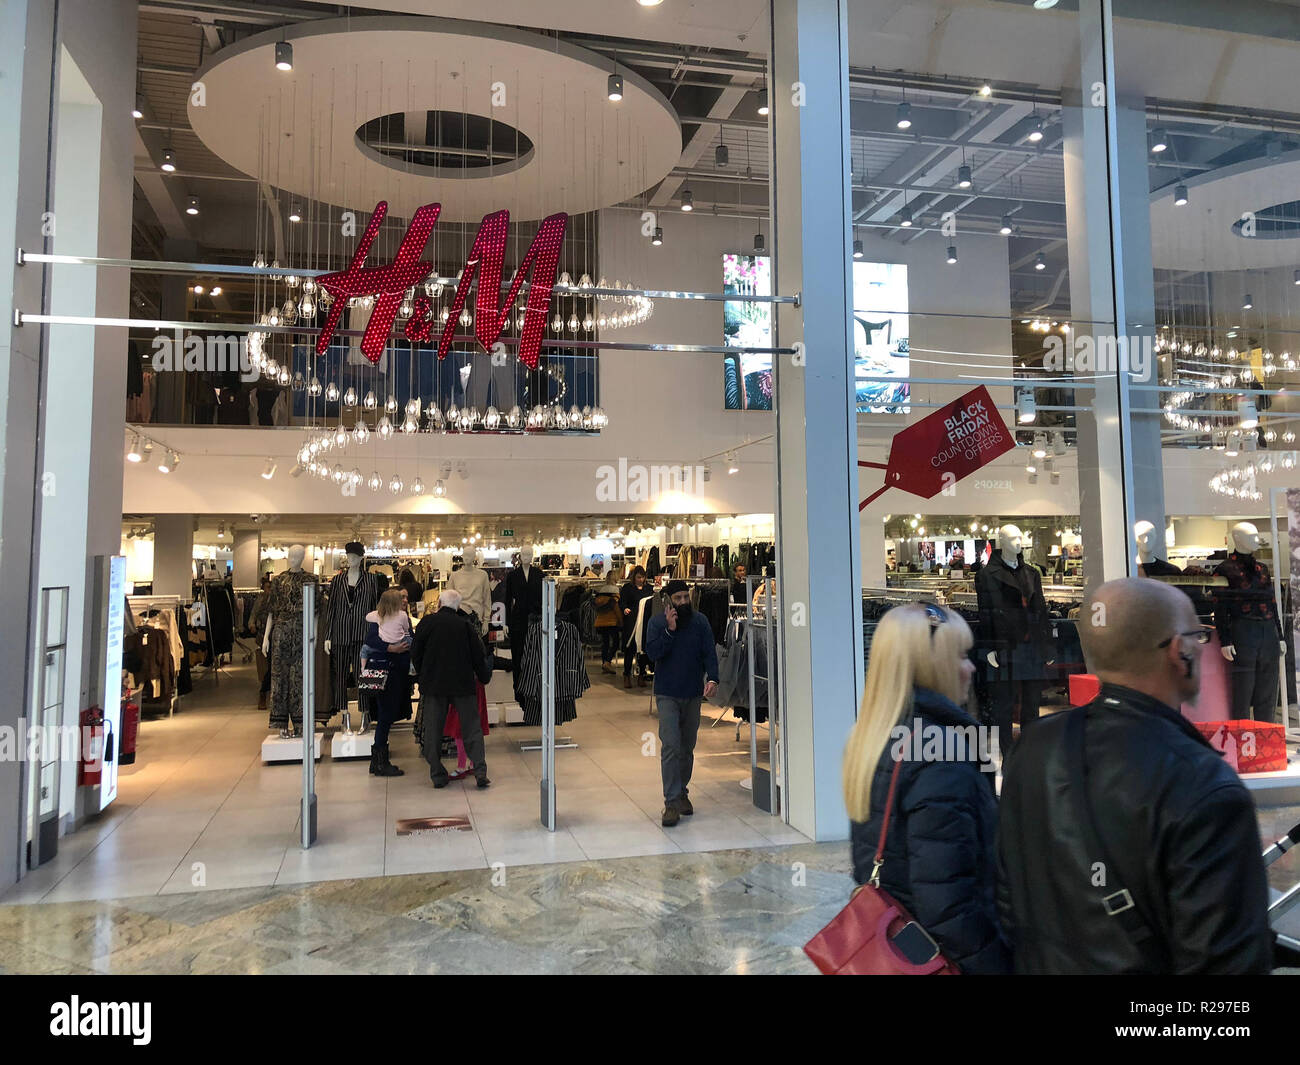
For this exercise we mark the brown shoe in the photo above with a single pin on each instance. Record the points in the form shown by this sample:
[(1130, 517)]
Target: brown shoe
[(671, 815), (627, 681)]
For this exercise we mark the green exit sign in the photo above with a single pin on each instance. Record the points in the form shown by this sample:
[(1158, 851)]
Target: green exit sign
[(507, 532)]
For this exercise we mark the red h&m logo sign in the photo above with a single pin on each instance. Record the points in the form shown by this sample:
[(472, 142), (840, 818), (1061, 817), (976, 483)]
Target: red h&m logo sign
[(389, 283)]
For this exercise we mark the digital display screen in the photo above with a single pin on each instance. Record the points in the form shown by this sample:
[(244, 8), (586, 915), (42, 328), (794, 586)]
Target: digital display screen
[(747, 377)]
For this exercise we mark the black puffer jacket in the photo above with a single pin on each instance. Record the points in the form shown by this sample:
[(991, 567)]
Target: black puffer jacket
[(939, 853), (1173, 816)]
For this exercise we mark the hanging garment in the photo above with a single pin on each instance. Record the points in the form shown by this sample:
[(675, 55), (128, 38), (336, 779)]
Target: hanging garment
[(158, 673), (286, 647), (221, 618), (714, 605), (571, 678), (652, 567), (722, 558)]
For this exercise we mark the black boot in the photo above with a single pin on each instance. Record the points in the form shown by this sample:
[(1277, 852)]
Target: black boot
[(380, 766)]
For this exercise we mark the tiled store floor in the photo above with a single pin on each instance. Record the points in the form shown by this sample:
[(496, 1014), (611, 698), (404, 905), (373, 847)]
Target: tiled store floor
[(199, 810)]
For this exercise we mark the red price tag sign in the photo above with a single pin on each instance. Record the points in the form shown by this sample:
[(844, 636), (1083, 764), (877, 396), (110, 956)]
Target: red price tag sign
[(942, 448)]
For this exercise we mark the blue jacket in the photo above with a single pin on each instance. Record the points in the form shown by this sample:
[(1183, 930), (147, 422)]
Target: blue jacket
[(939, 854), (683, 657)]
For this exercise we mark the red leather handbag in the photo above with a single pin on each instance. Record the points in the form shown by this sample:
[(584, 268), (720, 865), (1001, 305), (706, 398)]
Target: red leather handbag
[(865, 938)]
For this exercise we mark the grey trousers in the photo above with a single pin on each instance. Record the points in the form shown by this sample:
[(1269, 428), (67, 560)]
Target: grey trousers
[(679, 724), (1255, 672), (471, 731)]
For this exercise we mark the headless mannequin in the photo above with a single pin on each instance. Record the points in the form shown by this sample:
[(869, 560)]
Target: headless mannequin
[(354, 578), (296, 555), (343, 644), (1016, 671), (519, 605)]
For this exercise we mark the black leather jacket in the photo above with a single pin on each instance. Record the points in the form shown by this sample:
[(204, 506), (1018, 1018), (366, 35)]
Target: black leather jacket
[(1173, 816)]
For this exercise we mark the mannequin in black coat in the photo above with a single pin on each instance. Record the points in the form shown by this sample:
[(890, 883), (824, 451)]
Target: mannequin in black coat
[(523, 600)]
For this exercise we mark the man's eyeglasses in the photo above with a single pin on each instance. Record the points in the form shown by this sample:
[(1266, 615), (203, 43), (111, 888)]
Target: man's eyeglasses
[(1202, 636)]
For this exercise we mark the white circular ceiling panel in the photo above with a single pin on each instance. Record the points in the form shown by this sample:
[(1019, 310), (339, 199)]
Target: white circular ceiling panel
[(299, 130)]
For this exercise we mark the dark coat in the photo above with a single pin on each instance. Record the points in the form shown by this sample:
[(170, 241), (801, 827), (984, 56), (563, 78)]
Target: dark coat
[(628, 599), (449, 655), (939, 852), (523, 599), (1173, 816), (1012, 609)]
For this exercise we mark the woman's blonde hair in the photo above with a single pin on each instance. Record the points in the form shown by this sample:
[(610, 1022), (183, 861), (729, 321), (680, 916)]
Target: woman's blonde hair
[(390, 603), (904, 655)]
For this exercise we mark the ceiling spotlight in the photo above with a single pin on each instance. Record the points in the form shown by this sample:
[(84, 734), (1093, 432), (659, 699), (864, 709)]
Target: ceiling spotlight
[(904, 116), (721, 156), (905, 217), (658, 238), (440, 489), (295, 213), (216, 290), (197, 290), (763, 109), (1005, 228), (952, 254), (1296, 278), (649, 3), (688, 200), (168, 163), (1180, 195), (138, 110), (1040, 263), (1247, 415), (1036, 134), (168, 462), (759, 244), (192, 205), (221, 530), (283, 55), (1043, 5), (133, 454), (1159, 139), (148, 449), (857, 249), (269, 472), (1248, 302), (615, 87), (733, 464), (963, 176), (1040, 445)]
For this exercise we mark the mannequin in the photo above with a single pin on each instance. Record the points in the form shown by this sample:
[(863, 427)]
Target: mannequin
[(1149, 565), (1013, 632), (284, 625), (474, 588), (523, 599), (1249, 629), (352, 595)]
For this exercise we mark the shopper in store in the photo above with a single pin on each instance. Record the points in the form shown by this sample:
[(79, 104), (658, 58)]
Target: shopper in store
[(450, 659), (739, 592), (608, 624), (939, 857), (388, 640), (680, 643), (629, 601), (1127, 844)]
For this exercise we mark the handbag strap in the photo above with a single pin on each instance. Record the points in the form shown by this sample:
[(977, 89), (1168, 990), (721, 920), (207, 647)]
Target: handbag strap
[(1116, 899), (874, 880)]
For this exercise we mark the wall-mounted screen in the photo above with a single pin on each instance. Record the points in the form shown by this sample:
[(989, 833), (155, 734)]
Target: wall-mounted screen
[(880, 337), (747, 377)]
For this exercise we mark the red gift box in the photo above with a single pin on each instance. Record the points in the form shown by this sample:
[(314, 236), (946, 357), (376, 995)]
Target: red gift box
[(1250, 746), (1084, 688)]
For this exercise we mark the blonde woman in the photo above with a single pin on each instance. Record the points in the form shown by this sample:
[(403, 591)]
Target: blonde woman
[(939, 851)]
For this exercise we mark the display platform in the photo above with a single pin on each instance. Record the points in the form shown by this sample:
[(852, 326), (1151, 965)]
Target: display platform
[(347, 745), (1275, 789), (286, 749), (507, 713)]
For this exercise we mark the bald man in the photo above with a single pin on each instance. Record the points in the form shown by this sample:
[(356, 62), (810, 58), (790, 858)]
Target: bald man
[(1159, 869)]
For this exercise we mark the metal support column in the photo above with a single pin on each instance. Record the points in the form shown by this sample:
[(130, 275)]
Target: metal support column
[(309, 593), (548, 705)]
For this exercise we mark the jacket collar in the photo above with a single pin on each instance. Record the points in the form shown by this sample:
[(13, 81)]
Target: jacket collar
[(1118, 695), (938, 708), (998, 567)]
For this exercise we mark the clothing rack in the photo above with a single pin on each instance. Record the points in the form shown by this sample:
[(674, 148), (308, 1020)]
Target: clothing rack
[(140, 605)]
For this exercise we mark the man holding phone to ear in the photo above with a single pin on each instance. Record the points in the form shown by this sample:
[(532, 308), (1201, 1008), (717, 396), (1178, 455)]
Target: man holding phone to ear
[(680, 643)]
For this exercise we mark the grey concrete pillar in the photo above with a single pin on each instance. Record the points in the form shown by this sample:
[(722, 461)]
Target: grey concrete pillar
[(817, 476), (173, 554), (247, 552)]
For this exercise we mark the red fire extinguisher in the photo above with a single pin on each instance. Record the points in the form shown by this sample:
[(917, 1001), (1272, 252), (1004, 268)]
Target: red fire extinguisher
[(91, 767)]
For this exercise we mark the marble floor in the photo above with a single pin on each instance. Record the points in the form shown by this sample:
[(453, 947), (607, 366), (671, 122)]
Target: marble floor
[(200, 811), (729, 911)]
